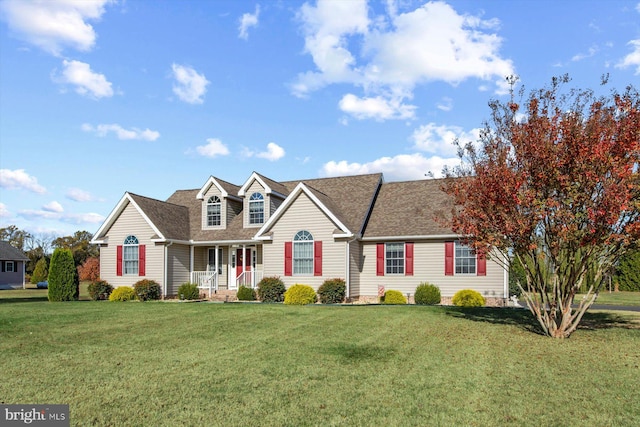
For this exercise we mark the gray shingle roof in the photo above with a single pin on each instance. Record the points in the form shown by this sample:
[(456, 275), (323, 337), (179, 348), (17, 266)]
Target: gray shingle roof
[(9, 253), (172, 220), (410, 209)]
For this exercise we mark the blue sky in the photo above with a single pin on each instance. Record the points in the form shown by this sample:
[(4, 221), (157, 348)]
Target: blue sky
[(99, 97)]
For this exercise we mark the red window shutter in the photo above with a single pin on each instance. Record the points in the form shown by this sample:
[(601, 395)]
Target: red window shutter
[(481, 259), (448, 258), (288, 258), (408, 259), (380, 259), (142, 260), (119, 260), (317, 258)]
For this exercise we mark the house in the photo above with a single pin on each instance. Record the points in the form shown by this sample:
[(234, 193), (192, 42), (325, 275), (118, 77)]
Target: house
[(376, 235), (12, 266)]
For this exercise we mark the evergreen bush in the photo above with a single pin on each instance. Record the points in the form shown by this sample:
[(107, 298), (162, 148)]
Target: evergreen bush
[(392, 297), (271, 289), (41, 271), (99, 290), (332, 291), (427, 294), (468, 298), (122, 293), (516, 274), (246, 294), (189, 291), (300, 295), (146, 290), (63, 277), (628, 272)]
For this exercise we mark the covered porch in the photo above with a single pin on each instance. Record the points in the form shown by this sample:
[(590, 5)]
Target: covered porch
[(218, 267)]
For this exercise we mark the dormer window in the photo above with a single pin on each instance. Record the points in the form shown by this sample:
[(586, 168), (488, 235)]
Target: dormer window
[(256, 208), (214, 216)]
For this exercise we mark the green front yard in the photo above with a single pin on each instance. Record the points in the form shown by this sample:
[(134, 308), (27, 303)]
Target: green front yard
[(257, 364)]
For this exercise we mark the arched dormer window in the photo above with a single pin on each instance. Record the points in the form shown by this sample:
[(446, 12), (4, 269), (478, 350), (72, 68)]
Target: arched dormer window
[(256, 208), (214, 215), (130, 255), (303, 253)]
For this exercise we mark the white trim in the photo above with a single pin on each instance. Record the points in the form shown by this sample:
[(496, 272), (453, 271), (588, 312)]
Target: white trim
[(425, 237), (211, 181), (115, 214), (300, 188), (267, 189)]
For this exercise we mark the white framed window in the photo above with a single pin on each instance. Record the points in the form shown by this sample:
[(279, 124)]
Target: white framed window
[(130, 253), (9, 266), (256, 208), (465, 259), (394, 258), (214, 209), (303, 253)]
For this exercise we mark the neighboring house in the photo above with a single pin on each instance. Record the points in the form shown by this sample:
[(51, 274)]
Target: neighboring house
[(372, 234), (12, 266)]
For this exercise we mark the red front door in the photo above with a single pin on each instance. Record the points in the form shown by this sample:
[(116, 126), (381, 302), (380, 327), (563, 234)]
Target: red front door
[(240, 267)]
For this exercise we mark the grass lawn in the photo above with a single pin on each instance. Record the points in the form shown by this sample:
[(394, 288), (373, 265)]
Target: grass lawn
[(616, 298), (265, 364)]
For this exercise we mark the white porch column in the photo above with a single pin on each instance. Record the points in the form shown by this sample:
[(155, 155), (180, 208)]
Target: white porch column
[(244, 263), (217, 266)]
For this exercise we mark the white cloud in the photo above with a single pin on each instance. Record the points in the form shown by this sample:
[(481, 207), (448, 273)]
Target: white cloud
[(438, 139), (446, 104), (91, 218), (87, 82), (247, 21), (79, 195), (397, 168), (396, 52), (53, 207), (580, 56), (214, 148), (121, 133), (377, 108), (20, 180), (274, 152), (53, 25), (71, 218), (4, 212), (638, 7), (190, 86), (632, 59)]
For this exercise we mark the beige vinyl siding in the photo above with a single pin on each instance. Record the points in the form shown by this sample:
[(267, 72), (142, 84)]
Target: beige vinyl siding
[(355, 268), (177, 267), (130, 222), (428, 265), (213, 191), (255, 187), (303, 214)]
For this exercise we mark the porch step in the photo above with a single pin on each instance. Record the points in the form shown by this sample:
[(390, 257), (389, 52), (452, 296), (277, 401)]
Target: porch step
[(222, 295)]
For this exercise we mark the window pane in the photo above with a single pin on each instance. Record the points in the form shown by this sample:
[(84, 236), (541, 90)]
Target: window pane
[(465, 259), (303, 253), (394, 255)]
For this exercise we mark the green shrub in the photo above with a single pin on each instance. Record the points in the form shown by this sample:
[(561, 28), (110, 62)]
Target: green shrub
[(63, 277), (246, 294), (468, 298), (271, 289), (300, 295), (146, 290), (628, 271), (100, 290), (332, 291), (394, 297), (41, 271), (427, 294), (122, 293), (189, 291), (516, 274)]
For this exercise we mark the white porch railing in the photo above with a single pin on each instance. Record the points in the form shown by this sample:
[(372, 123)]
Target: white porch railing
[(205, 280), (249, 278)]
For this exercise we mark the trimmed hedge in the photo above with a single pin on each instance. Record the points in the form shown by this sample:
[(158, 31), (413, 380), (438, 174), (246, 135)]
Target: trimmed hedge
[(468, 298), (332, 291), (300, 295), (122, 293), (146, 290), (63, 277), (99, 290), (271, 289), (188, 291), (427, 294), (246, 294), (392, 297)]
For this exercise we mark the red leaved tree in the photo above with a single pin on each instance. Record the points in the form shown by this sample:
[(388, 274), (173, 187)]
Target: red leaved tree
[(90, 269), (554, 182)]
